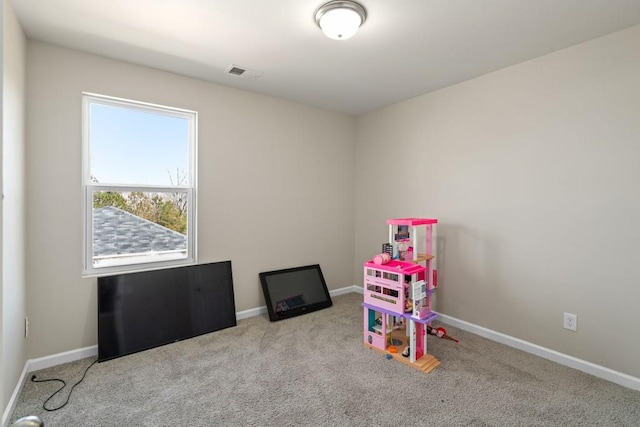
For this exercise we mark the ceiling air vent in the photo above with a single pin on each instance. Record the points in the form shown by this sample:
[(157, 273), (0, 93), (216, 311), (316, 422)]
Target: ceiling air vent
[(243, 73), (237, 71)]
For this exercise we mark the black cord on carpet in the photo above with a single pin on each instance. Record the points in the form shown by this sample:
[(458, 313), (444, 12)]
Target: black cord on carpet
[(64, 384)]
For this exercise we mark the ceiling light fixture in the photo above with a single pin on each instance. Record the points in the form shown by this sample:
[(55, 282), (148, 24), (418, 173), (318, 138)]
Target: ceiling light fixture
[(340, 20)]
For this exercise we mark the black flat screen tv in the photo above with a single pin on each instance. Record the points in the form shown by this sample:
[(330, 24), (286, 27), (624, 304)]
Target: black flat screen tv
[(139, 311), (294, 291)]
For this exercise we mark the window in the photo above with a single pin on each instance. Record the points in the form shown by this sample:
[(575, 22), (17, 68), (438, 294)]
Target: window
[(139, 182)]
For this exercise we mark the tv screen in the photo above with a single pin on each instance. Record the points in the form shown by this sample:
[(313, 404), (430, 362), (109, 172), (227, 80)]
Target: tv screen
[(139, 311), (294, 291)]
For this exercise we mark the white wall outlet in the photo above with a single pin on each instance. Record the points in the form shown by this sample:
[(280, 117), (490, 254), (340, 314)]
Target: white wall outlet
[(26, 327), (571, 322)]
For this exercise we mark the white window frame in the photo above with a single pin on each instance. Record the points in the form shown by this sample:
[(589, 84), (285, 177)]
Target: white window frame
[(159, 260)]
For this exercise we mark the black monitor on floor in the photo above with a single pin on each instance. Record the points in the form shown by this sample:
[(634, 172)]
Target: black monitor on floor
[(139, 311), (294, 291)]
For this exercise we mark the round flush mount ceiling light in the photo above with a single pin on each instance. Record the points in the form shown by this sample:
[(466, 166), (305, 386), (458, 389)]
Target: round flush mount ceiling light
[(340, 20)]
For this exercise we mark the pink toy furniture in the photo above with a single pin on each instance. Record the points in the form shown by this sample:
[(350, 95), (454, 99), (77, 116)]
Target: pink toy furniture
[(385, 284), (428, 255), (397, 294)]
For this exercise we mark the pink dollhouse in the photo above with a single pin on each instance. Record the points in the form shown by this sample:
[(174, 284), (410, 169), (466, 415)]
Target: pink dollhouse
[(397, 294)]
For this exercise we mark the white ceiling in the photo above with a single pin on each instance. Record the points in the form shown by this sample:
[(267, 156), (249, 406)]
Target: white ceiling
[(405, 48)]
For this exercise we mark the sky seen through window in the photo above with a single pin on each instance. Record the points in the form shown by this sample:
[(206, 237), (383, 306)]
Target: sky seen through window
[(137, 147)]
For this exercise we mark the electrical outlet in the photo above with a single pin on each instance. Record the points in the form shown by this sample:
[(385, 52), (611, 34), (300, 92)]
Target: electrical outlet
[(26, 327), (571, 322)]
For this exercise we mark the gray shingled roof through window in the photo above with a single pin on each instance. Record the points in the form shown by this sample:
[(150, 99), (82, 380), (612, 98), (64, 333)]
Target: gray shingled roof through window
[(119, 232)]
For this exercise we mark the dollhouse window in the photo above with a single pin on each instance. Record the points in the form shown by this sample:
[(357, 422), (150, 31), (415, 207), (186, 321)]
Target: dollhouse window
[(390, 276)]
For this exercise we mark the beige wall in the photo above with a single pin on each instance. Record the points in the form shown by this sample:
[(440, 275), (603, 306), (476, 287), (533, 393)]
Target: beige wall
[(533, 174), (275, 185), (14, 348)]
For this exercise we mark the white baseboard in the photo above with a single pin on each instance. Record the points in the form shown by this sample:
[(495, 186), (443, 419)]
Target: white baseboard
[(251, 312), (555, 356), (346, 290), (14, 397), (60, 358)]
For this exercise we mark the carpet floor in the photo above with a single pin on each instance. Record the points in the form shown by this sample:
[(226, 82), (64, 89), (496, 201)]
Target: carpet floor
[(314, 370)]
